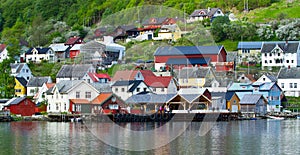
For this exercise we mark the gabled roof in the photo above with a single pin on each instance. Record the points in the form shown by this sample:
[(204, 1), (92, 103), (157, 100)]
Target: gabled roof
[(133, 83), (15, 100), (267, 86), (192, 72), (38, 81), (124, 75), (229, 95), (60, 47), (290, 47), (101, 87), (206, 12), (289, 73), (93, 77), (72, 40), (149, 98), (103, 76), (101, 98), (68, 71), (64, 86), (155, 21), (2, 47), (187, 50), (80, 101), (250, 45), (241, 87), (40, 50), (76, 47), (188, 61), (158, 81), (22, 81), (251, 98)]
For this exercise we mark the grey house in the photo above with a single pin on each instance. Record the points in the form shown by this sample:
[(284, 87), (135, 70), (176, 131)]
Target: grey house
[(253, 105), (74, 72)]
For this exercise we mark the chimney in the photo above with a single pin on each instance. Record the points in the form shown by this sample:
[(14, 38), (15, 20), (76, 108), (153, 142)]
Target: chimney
[(208, 9)]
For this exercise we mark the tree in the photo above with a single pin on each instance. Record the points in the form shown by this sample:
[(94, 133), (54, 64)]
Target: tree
[(7, 82), (217, 28)]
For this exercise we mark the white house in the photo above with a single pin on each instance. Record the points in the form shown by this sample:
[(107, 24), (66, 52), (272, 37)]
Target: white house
[(267, 78), (289, 81), (61, 50), (125, 89), (59, 96), (280, 54), (40, 96), (20, 70), (3, 52), (39, 54), (74, 72), (35, 84), (199, 15)]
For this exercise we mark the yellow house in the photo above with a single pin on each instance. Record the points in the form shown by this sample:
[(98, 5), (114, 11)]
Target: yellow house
[(232, 102), (249, 48), (195, 77), (169, 32), (20, 87)]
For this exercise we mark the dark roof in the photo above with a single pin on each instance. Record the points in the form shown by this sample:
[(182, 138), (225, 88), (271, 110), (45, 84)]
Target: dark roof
[(193, 72), (285, 47), (229, 95), (37, 81), (155, 21), (68, 71), (64, 86), (271, 77), (128, 27), (250, 98), (250, 45), (289, 73), (189, 61), (134, 84), (22, 81), (72, 40), (149, 98), (187, 50), (16, 100), (40, 50)]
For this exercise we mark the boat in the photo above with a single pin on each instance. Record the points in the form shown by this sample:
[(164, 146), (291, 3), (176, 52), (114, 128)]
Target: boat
[(275, 117), (298, 117)]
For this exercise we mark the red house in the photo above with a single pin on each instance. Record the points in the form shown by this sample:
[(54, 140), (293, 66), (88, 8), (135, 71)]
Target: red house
[(200, 55), (110, 103), (21, 106)]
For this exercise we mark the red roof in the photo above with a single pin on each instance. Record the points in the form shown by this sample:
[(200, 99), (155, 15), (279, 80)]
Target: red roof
[(103, 76), (101, 98), (124, 75), (93, 77), (72, 40), (158, 81), (2, 47), (80, 101)]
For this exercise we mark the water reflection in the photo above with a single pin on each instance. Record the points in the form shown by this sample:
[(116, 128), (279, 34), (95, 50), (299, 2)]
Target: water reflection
[(236, 137)]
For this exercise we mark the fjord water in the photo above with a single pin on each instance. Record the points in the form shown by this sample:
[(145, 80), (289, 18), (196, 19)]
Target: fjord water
[(235, 137)]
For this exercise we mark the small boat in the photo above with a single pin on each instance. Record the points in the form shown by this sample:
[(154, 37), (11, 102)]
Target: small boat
[(298, 117), (275, 117), (76, 119)]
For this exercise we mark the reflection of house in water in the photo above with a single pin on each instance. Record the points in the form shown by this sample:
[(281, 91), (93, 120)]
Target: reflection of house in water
[(102, 53)]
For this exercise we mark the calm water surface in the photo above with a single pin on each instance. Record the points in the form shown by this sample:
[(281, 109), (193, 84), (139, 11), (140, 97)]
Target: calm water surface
[(236, 137)]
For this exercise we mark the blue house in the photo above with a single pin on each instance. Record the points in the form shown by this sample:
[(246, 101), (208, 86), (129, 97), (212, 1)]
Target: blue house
[(270, 91)]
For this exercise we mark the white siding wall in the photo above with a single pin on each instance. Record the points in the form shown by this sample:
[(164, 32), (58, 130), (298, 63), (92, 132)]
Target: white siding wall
[(288, 86)]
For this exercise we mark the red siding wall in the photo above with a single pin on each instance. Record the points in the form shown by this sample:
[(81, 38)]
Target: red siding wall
[(24, 108), (74, 53)]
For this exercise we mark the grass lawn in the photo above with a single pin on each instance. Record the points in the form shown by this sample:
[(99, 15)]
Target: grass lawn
[(229, 45), (273, 12)]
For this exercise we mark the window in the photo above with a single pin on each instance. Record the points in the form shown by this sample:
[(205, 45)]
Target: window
[(116, 89), (18, 90), (291, 85), (123, 89), (287, 61), (49, 105), (145, 89), (154, 89), (77, 94), (88, 94), (266, 54), (264, 79), (89, 80), (31, 91), (266, 61), (278, 54), (282, 85), (65, 106), (57, 107), (137, 89), (295, 85), (162, 89), (27, 70), (292, 61), (270, 54), (270, 61)]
